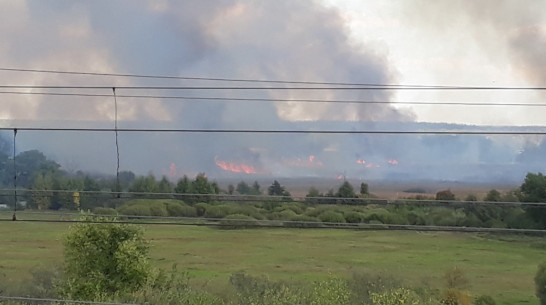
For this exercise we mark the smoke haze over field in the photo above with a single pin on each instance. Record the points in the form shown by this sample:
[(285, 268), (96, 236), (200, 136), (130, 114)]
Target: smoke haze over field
[(321, 41)]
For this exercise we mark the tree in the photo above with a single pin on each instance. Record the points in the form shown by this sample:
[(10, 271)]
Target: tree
[(104, 259), (242, 188), (540, 283), (201, 185), (493, 195), (164, 186), (231, 189), (183, 186), (143, 184), (364, 189), (275, 189), (40, 199), (533, 189), (255, 190), (125, 179), (445, 195), (346, 190), (31, 163)]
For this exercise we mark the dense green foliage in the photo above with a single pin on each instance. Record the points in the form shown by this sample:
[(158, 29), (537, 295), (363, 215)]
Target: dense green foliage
[(540, 283), (104, 259)]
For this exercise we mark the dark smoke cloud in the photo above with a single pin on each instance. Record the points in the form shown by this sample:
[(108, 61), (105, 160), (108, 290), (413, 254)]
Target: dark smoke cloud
[(285, 39)]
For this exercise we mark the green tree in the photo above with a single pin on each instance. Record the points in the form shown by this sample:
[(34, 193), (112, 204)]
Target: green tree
[(125, 179), (201, 185), (243, 188), (346, 190), (40, 199), (533, 189), (540, 283), (183, 186), (255, 190), (275, 189), (364, 189), (445, 195), (493, 195), (164, 186), (143, 184), (231, 189), (103, 260), (31, 163)]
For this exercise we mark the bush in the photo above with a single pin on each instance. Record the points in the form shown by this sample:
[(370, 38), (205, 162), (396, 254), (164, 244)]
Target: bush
[(104, 259), (353, 217), (104, 211), (217, 211), (238, 221), (540, 283), (201, 208), (302, 221), (484, 300), (399, 296), (331, 216)]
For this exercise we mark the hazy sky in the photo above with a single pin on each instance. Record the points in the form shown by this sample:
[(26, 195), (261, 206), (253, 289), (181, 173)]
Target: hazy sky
[(417, 42)]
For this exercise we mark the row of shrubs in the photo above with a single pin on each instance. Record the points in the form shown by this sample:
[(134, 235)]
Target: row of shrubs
[(296, 213)]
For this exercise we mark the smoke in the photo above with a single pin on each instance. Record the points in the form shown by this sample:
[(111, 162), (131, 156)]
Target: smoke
[(285, 40)]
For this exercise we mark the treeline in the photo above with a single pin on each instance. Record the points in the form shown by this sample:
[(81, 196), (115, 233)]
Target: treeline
[(46, 186)]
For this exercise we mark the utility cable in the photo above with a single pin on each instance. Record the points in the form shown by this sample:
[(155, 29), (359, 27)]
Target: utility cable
[(237, 99), (265, 223), (362, 88), (213, 79), (291, 131)]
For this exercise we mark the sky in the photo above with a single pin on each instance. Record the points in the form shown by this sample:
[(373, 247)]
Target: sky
[(417, 42)]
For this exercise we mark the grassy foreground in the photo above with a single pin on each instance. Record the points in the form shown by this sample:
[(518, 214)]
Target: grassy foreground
[(502, 267)]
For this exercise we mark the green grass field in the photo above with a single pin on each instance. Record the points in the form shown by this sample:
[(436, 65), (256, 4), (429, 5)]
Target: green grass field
[(502, 267)]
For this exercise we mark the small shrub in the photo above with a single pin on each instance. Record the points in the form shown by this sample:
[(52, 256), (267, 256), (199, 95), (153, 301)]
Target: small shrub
[(399, 296), (238, 221), (484, 300), (104, 211), (540, 283), (201, 208), (302, 221), (331, 216), (456, 297), (455, 278), (217, 211), (354, 217)]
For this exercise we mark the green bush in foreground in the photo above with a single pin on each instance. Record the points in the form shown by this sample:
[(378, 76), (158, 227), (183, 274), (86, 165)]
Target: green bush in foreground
[(104, 259), (540, 283)]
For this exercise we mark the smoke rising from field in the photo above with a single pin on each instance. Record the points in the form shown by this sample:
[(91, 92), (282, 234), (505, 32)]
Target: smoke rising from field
[(285, 40)]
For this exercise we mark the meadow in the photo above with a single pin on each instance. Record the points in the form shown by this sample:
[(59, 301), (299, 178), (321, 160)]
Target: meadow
[(502, 266)]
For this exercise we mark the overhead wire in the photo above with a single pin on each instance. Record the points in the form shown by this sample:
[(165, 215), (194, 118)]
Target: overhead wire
[(290, 131), (356, 88), (294, 100), (170, 77)]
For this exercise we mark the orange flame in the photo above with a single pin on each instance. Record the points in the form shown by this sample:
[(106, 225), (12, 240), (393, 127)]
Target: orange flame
[(173, 172), (235, 167), (360, 161), (392, 161)]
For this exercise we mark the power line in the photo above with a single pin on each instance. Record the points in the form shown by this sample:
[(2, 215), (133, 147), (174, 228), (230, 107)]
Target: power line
[(264, 223), (269, 198), (293, 131), (361, 88), (237, 99), (216, 79)]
